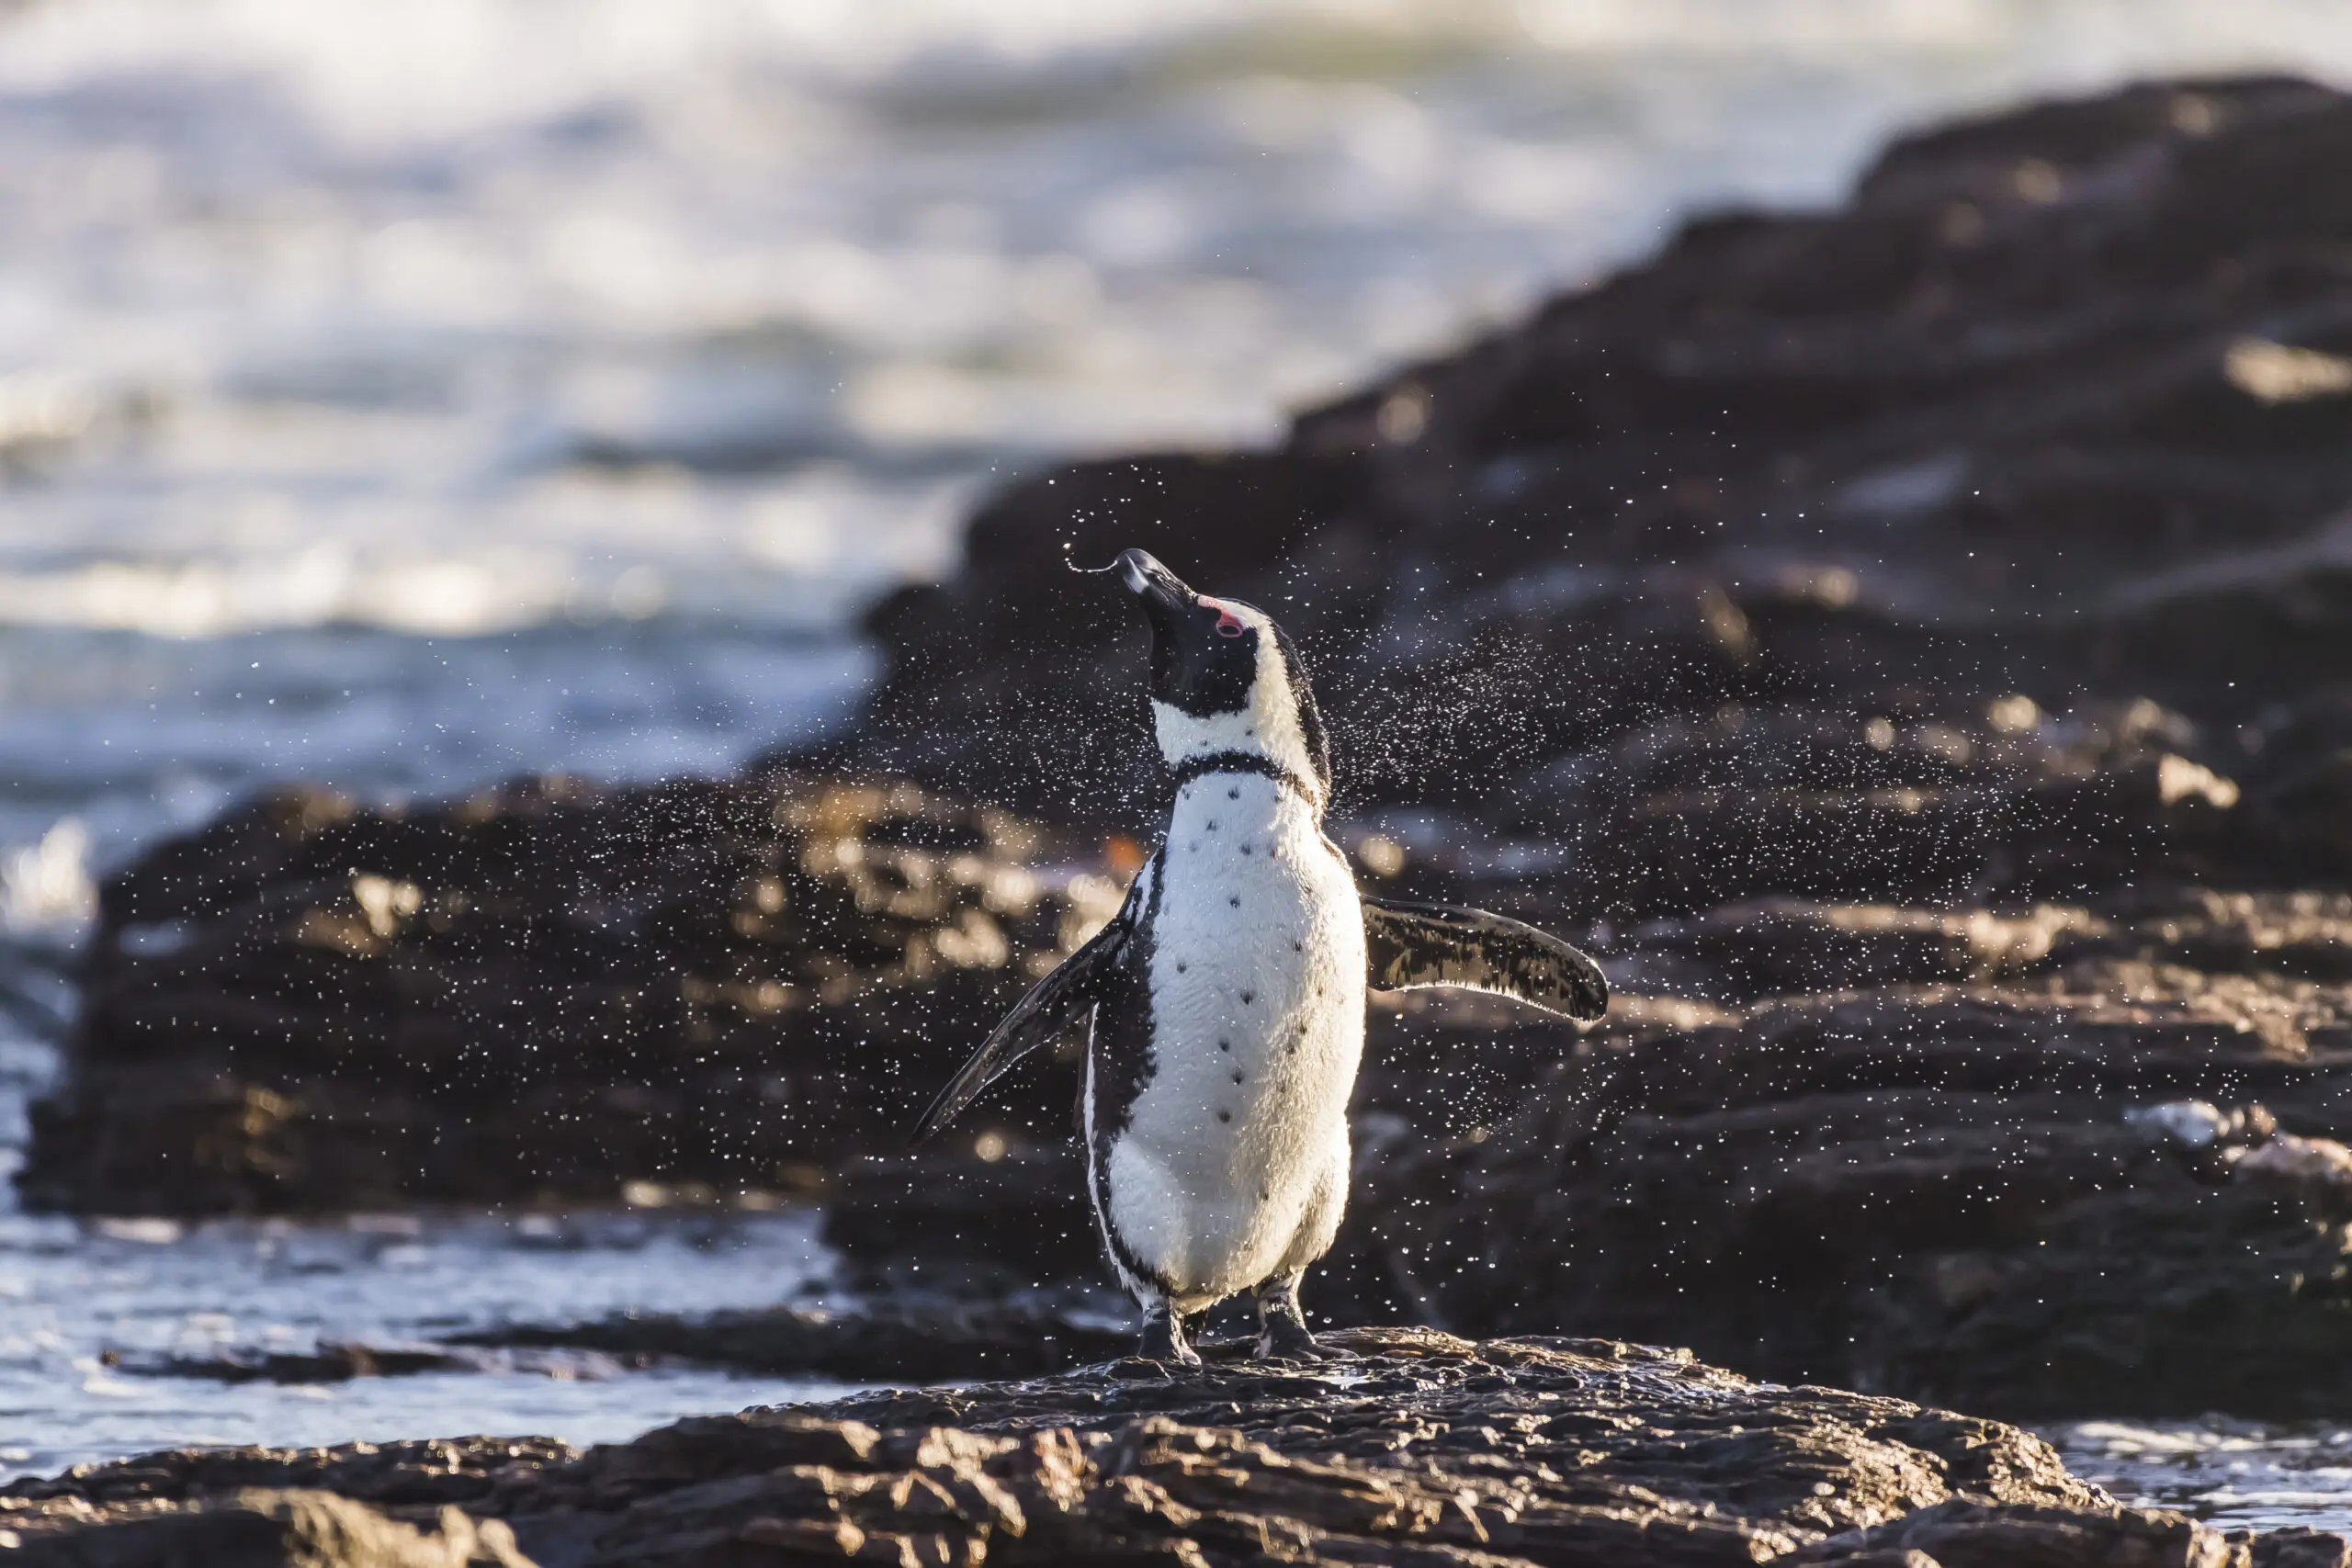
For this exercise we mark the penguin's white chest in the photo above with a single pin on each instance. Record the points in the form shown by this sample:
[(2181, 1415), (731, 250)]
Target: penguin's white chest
[(1237, 1146)]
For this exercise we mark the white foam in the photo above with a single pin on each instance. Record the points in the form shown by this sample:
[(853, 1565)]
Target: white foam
[(45, 886)]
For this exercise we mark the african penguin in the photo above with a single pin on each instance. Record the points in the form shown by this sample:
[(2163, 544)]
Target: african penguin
[(1227, 997)]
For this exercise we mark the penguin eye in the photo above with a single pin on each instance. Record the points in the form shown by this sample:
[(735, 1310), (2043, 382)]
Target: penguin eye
[(1227, 623)]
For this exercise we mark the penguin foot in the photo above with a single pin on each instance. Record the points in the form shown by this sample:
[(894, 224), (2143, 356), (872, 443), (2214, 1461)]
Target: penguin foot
[(1282, 1326), (1287, 1339), (1163, 1338)]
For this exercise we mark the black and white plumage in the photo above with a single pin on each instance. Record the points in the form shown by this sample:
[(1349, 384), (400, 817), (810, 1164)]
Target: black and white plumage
[(1227, 997)]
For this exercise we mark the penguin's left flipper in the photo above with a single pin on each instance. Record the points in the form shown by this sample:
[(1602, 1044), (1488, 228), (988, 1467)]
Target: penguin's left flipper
[(1056, 1003), (1410, 946)]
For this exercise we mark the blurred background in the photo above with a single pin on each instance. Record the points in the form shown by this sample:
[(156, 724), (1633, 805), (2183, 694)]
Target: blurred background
[(404, 397)]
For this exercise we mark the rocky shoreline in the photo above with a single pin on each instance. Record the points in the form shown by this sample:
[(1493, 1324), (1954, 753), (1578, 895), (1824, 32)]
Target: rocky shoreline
[(1418, 1449), (1908, 644)]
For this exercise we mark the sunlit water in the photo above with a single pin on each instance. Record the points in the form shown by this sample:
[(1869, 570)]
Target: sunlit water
[(404, 396), (2236, 1474), (74, 1297)]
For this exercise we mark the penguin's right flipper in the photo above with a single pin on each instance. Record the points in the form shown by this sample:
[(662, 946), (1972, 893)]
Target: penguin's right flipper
[(1060, 1002), (1410, 946)]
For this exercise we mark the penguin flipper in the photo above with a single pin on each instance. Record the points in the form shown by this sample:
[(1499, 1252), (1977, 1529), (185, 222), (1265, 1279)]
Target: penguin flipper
[(1059, 1002), (1410, 946)]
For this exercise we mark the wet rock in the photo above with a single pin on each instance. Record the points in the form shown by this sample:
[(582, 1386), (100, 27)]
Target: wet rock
[(949, 1219), (2299, 1548), (263, 1529), (2060, 1198), (549, 991), (1962, 1534), (430, 1472), (904, 1336), (342, 1361), (1416, 1448), (1784, 946), (331, 1362)]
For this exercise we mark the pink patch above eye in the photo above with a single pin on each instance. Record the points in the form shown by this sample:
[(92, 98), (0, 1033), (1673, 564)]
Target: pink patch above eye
[(1227, 623)]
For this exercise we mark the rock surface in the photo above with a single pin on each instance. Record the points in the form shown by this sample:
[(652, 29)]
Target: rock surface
[(1971, 1194), (911, 1336), (906, 1336), (546, 992), (1414, 1448)]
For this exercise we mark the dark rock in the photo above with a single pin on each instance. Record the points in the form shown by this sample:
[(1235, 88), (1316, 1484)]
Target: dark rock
[(985, 1226), (2297, 1548), (915, 1335), (2006, 1198), (340, 1363), (901, 1337), (1966, 1534), (543, 992), (261, 1528), (1417, 1449), (432, 1471), (331, 1362)]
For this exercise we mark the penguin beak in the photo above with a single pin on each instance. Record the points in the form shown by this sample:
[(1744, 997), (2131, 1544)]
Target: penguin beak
[(1161, 590), (1203, 656)]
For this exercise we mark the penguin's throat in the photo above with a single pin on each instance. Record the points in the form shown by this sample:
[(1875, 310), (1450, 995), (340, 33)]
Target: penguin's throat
[(1248, 742)]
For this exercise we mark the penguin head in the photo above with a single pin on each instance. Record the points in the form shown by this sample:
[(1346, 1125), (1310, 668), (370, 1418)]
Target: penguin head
[(1225, 681)]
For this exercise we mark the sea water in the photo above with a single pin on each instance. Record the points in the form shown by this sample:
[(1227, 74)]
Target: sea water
[(403, 397), (79, 1301)]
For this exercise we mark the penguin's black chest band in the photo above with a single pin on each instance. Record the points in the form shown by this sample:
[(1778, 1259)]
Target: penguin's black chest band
[(1192, 768)]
